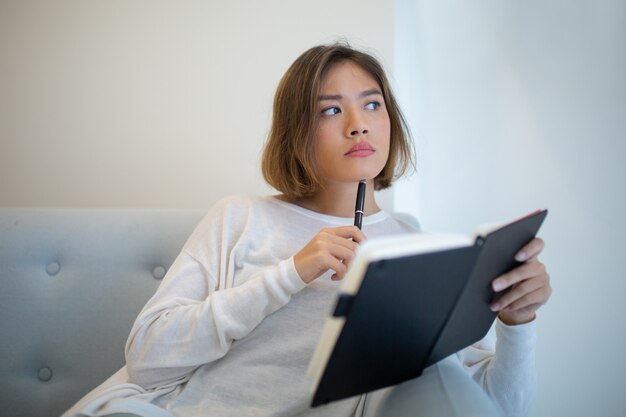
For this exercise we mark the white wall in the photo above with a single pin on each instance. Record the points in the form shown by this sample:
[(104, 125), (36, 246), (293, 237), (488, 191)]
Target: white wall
[(153, 103), (522, 105)]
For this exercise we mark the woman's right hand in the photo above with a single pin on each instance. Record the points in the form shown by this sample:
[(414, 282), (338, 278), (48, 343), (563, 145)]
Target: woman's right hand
[(329, 249)]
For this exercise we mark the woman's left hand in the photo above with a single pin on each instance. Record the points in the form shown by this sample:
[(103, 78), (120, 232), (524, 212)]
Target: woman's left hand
[(528, 286)]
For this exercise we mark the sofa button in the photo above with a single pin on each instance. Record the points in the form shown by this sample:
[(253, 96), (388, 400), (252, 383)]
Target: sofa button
[(45, 374), (53, 268), (158, 272)]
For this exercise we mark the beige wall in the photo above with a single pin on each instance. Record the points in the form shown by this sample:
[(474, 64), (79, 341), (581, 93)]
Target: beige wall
[(153, 103)]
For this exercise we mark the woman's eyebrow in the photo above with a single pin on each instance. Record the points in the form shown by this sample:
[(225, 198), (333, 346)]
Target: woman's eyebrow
[(323, 97), (366, 93), (371, 92)]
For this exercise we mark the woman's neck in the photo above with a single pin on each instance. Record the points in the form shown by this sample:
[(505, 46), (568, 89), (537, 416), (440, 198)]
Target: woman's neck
[(339, 200)]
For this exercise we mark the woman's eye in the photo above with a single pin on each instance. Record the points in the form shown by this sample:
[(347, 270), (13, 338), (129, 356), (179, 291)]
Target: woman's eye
[(372, 105), (331, 111)]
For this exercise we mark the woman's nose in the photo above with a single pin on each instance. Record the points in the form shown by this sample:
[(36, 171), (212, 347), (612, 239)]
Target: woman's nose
[(356, 125)]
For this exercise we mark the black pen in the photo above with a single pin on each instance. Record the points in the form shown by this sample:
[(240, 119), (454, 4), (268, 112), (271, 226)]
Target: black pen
[(360, 202)]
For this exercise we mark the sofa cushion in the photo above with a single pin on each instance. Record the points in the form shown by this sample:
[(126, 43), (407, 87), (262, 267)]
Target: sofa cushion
[(72, 281)]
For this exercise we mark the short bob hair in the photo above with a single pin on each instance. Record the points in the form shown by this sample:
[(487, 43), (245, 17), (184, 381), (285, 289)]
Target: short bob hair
[(288, 158)]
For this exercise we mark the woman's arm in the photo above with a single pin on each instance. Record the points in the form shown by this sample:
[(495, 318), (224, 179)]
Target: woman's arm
[(509, 375), (204, 302), (187, 324)]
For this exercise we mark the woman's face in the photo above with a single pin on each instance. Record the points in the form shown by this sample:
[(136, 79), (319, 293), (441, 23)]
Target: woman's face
[(352, 138)]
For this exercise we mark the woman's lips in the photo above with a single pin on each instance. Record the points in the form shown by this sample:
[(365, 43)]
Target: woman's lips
[(360, 150)]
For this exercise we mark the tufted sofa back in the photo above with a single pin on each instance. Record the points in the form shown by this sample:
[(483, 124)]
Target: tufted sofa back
[(72, 281)]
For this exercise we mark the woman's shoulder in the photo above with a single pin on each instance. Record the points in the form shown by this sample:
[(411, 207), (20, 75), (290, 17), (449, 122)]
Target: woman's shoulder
[(386, 223), (238, 203), (237, 209), (225, 220), (407, 221)]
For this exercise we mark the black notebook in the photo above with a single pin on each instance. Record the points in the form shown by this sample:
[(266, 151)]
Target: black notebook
[(409, 301)]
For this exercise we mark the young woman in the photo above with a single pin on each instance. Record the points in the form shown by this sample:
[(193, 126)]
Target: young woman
[(233, 326)]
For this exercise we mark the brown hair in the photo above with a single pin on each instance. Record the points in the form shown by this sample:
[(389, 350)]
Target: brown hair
[(288, 158)]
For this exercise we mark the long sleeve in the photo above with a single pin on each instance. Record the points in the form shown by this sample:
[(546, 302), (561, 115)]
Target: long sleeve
[(206, 301), (508, 375), (232, 324)]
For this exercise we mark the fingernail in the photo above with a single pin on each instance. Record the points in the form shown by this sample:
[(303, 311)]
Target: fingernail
[(521, 257), (495, 307), (497, 285)]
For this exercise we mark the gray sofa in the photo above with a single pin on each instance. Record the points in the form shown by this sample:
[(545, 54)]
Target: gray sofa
[(72, 282)]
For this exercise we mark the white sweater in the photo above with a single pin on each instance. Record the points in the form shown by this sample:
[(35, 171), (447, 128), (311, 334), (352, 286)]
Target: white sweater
[(232, 327)]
